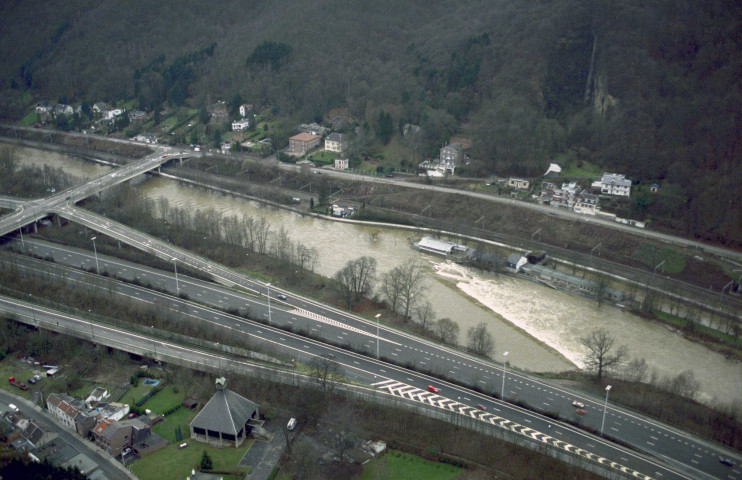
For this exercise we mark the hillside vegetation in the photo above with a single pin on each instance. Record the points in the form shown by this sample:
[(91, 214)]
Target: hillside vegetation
[(649, 89)]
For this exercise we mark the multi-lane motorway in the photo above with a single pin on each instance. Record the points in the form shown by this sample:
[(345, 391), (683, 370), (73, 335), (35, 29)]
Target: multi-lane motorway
[(695, 457)]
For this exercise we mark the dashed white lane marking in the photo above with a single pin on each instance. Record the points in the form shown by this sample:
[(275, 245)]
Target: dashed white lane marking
[(335, 323)]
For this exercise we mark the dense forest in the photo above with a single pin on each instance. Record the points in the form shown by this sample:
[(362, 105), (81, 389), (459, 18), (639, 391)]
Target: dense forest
[(649, 89)]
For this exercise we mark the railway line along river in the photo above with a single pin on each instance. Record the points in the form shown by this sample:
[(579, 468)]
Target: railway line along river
[(539, 326)]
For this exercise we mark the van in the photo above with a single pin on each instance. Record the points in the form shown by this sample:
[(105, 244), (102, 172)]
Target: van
[(15, 409), (291, 425)]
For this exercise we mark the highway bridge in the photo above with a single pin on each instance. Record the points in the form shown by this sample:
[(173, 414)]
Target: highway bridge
[(27, 212)]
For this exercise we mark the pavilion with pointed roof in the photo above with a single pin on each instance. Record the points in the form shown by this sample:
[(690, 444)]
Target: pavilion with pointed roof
[(225, 419)]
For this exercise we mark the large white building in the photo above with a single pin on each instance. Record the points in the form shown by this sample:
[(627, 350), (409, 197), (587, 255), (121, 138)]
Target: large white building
[(615, 184)]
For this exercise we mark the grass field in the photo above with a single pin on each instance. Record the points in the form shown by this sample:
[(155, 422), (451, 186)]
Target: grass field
[(172, 463), (653, 255), (322, 157), (396, 465), (164, 400), (167, 428), (586, 170)]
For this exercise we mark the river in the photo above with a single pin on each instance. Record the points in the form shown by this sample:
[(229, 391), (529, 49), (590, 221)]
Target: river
[(538, 326)]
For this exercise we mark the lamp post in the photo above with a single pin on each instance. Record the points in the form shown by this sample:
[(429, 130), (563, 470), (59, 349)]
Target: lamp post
[(605, 407), (175, 266), (655, 268), (377, 335), (268, 286), (504, 370), (97, 267), (33, 310)]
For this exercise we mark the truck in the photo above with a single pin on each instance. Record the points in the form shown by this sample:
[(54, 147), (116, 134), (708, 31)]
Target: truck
[(16, 383)]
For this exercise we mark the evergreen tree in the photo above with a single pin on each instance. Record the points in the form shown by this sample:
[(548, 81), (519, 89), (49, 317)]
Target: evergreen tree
[(206, 463)]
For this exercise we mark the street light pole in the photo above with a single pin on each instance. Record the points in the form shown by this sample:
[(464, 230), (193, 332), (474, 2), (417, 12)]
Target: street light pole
[(377, 335), (605, 407), (177, 288), (504, 369), (97, 267), (268, 286)]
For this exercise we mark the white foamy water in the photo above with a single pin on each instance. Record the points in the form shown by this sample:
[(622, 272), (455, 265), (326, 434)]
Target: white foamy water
[(559, 320)]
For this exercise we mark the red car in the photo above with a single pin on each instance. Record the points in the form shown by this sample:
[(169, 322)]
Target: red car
[(481, 407), (433, 389), (580, 411)]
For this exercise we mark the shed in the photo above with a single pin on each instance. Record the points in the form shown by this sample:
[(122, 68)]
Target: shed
[(190, 403)]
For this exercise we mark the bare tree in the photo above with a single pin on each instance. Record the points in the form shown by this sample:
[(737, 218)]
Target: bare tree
[(425, 314), (403, 287), (636, 370), (447, 330), (325, 371), (685, 384), (355, 279), (599, 344), (480, 340)]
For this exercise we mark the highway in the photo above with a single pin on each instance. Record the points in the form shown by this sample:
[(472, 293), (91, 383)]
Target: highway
[(406, 385), (330, 325)]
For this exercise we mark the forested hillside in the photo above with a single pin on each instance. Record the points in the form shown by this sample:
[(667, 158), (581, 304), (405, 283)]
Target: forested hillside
[(650, 89)]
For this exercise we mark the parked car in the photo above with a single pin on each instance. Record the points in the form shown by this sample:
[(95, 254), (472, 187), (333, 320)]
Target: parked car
[(126, 451), (292, 424), (31, 381), (578, 404), (481, 407), (433, 389)]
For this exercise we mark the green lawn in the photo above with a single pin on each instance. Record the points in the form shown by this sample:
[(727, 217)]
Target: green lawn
[(652, 255), (395, 465), (322, 157), (172, 463), (12, 367), (167, 428), (133, 395), (164, 400), (30, 118), (587, 170)]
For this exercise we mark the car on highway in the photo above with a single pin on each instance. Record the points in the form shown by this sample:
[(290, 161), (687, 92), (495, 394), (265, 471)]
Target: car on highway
[(433, 389), (281, 296), (318, 172), (580, 411), (481, 407), (726, 461), (578, 404)]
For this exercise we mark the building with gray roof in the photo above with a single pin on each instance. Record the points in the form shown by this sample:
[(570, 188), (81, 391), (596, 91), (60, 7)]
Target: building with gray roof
[(224, 420)]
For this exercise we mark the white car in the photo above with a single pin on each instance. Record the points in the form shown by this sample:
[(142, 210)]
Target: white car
[(578, 404)]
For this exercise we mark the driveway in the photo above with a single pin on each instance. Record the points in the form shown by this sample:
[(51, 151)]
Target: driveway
[(264, 456)]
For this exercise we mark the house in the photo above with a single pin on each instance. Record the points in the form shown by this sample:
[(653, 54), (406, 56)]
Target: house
[(519, 183), (116, 112), (341, 163), (137, 115), (112, 410), (450, 156), (98, 395), (100, 107), (226, 418), (241, 124), (112, 436), (586, 203), (82, 462), (37, 434), (301, 143), (312, 128), (218, 110), (43, 107), (245, 109), (565, 197), (615, 184), (145, 138), (150, 444), (72, 413), (226, 147), (63, 109), (515, 261), (336, 142)]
